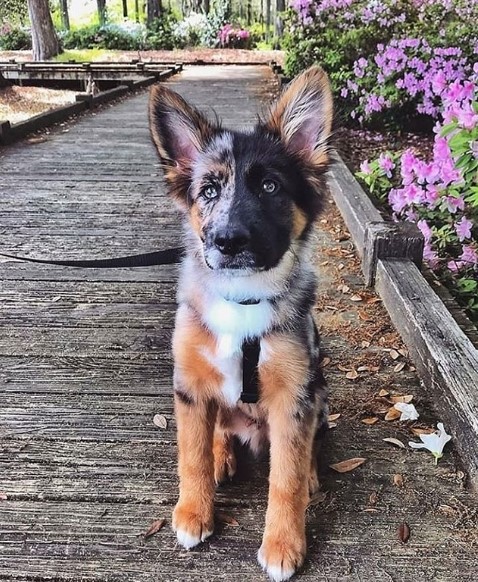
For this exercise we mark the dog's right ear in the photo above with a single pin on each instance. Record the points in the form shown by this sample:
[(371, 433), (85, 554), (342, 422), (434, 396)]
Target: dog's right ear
[(179, 130)]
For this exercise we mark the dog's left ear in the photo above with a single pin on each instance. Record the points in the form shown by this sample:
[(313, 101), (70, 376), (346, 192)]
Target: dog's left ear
[(302, 116), (179, 131)]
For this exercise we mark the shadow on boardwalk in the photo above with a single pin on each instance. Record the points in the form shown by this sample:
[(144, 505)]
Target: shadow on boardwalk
[(85, 365)]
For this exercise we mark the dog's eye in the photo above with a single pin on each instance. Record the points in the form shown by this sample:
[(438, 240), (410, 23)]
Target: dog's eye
[(269, 186), (210, 192)]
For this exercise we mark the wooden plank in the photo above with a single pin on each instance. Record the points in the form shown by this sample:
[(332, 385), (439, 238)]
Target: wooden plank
[(446, 359), (143, 374), (354, 205)]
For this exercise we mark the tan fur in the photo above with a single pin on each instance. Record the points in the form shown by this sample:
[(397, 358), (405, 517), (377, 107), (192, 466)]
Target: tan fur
[(299, 222)]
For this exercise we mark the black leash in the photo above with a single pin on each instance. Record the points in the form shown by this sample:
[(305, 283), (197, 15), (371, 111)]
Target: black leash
[(166, 257), (250, 349)]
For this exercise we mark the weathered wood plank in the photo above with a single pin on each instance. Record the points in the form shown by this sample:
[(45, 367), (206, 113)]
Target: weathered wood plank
[(445, 357)]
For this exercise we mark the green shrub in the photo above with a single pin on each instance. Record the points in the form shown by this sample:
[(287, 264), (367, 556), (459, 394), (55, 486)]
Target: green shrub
[(159, 35), (15, 39), (110, 36)]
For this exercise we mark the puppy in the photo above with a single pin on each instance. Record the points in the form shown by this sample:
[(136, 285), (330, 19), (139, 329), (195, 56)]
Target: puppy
[(249, 201)]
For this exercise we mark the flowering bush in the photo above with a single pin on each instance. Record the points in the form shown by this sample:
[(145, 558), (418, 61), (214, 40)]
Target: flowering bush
[(127, 36), (14, 38), (440, 195), (230, 37), (193, 30)]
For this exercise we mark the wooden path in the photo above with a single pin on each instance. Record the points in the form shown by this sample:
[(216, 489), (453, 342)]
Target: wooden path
[(85, 365)]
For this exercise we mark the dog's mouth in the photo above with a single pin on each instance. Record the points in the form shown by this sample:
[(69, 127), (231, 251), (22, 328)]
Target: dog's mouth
[(241, 264)]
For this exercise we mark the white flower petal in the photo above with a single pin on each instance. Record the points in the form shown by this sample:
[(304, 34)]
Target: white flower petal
[(409, 412), (417, 445)]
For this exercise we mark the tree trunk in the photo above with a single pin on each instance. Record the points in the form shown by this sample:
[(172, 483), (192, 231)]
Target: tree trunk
[(65, 18), (101, 6), (207, 6), (136, 10), (125, 8), (152, 11), (268, 18), (279, 24), (44, 39)]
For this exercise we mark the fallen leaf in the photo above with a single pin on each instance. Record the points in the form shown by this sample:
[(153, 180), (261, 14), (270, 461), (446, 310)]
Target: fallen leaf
[(154, 528), (393, 414), (370, 420), (419, 431), (447, 510), (394, 354), (402, 352), (356, 297), (160, 421), (343, 368), (332, 424), (383, 393), (405, 399), (363, 316), (399, 367), (226, 518), (36, 140), (398, 480), (363, 369), (404, 532), (340, 266), (395, 442), (3, 496), (348, 465), (373, 300), (373, 498), (365, 344), (333, 417), (318, 497), (352, 374), (324, 362)]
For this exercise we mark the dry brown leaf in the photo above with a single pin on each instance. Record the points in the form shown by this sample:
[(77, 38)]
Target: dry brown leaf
[(365, 344), (383, 393), (419, 431), (447, 510), (398, 480), (373, 498), (333, 417), (226, 518), (343, 368), (373, 300), (399, 367), (154, 528), (352, 374), (325, 362), (406, 399), (160, 421), (395, 442), (340, 266), (3, 496), (394, 354), (356, 297), (363, 369), (363, 316), (402, 352), (393, 414), (348, 465), (404, 532), (370, 420)]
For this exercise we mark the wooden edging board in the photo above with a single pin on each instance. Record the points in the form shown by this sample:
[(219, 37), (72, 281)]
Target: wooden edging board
[(445, 358), (12, 132)]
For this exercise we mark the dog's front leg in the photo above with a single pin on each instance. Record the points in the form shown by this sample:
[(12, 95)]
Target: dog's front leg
[(193, 517), (284, 544)]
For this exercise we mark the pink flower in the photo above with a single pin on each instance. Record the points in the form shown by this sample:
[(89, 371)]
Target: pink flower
[(425, 230), (430, 256), (469, 255), (386, 164), (453, 204), (463, 228), (365, 167)]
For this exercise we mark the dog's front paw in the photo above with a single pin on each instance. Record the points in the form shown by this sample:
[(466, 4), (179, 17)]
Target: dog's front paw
[(280, 556), (192, 525)]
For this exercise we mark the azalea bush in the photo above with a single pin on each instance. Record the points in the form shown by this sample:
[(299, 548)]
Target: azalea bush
[(234, 37), (440, 194), (385, 57), (14, 38)]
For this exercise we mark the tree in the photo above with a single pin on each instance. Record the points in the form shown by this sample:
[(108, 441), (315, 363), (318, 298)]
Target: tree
[(152, 10), (125, 8), (279, 25), (44, 39), (65, 18), (101, 7)]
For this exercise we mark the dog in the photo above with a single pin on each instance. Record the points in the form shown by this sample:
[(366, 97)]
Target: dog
[(249, 201)]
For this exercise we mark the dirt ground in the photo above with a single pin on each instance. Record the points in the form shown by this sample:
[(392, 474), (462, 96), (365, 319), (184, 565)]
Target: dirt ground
[(20, 103)]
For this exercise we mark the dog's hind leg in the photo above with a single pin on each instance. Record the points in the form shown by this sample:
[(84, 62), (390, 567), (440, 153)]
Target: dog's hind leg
[(223, 450)]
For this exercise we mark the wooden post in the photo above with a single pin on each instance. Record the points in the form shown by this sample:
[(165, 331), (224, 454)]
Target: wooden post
[(390, 240)]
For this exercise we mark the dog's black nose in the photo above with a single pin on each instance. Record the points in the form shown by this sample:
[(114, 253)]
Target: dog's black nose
[(232, 241)]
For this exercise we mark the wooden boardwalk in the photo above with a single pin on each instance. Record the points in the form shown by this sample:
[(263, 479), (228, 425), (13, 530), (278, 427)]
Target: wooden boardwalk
[(85, 365)]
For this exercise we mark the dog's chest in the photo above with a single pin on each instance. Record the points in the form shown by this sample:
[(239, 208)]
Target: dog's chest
[(233, 323)]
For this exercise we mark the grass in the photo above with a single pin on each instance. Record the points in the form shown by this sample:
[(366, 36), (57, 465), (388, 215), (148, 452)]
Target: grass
[(85, 55)]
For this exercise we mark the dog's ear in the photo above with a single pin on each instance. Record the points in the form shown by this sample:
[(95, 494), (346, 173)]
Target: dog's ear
[(179, 130), (302, 116)]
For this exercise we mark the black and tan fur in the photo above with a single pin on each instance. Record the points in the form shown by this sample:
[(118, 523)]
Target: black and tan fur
[(249, 202)]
